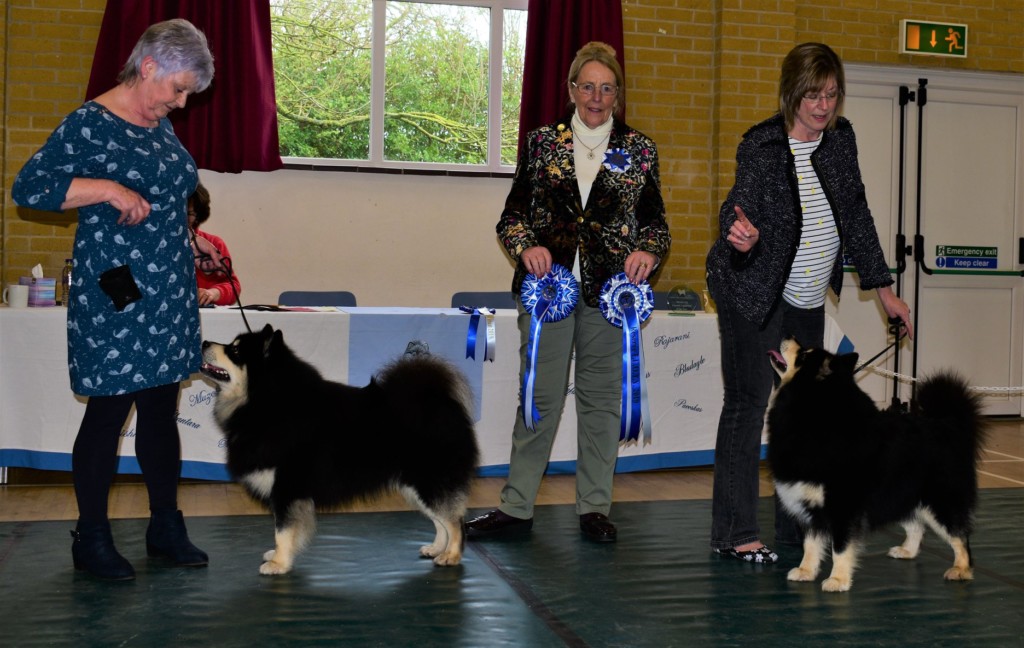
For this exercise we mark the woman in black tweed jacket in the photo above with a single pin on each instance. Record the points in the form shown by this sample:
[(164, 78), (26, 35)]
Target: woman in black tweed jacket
[(797, 207)]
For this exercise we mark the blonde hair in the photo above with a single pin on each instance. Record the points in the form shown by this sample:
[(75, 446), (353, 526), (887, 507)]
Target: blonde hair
[(604, 54), (806, 70)]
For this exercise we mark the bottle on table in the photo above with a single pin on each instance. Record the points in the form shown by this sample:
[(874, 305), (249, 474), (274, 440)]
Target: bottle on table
[(65, 281)]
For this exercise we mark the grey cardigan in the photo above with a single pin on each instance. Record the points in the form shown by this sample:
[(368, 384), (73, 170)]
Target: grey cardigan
[(766, 189)]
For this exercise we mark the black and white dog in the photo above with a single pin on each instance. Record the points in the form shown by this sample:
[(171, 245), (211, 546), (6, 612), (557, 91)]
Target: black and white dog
[(842, 467), (297, 441)]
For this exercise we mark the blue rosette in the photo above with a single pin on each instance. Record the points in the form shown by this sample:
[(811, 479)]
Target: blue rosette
[(627, 305), (547, 299), (617, 160)]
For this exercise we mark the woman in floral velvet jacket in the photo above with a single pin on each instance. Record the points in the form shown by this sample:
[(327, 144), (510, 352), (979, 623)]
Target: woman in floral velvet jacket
[(624, 213), (587, 196)]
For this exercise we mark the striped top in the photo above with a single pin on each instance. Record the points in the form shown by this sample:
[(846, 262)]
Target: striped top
[(819, 239)]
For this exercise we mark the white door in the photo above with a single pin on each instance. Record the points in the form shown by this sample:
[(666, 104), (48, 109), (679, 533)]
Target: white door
[(970, 310)]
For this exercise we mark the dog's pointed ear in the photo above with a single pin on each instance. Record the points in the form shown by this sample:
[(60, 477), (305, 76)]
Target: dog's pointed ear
[(267, 337), (276, 339)]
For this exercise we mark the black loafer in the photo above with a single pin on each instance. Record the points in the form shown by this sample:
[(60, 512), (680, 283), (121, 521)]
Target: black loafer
[(597, 527), (495, 523)]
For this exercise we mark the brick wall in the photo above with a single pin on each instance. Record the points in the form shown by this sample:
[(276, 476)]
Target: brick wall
[(671, 81), (3, 139), (698, 76), (867, 31), (48, 45)]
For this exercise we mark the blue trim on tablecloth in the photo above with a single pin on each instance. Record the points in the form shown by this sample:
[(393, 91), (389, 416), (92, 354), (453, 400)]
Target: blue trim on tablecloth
[(219, 472), (127, 465)]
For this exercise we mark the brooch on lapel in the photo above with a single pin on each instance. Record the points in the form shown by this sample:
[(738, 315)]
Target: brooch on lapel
[(618, 160)]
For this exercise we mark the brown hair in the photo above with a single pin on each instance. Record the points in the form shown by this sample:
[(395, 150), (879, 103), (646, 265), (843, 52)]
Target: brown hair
[(602, 53), (806, 70), (199, 202)]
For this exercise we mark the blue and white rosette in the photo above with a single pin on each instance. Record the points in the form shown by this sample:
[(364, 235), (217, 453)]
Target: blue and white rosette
[(617, 160), (548, 299), (474, 325), (627, 305)]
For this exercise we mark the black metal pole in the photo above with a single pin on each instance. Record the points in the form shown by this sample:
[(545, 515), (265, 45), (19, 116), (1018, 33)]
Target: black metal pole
[(919, 263), (906, 96)]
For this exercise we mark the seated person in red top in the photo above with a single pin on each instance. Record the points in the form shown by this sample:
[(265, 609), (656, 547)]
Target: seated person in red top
[(215, 286)]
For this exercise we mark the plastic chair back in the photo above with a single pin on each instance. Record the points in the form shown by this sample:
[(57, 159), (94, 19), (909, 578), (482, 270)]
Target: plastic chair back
[(316, 298), (500, 299)]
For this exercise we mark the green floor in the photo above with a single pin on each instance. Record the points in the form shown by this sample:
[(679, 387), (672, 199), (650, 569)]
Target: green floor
[(361, 584)]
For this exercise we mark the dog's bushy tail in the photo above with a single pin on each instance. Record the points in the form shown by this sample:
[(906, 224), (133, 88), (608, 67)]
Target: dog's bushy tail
[(947, 399), (423, 377)]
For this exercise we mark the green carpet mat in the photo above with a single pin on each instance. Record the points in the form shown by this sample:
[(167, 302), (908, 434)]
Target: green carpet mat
[(361, 583)]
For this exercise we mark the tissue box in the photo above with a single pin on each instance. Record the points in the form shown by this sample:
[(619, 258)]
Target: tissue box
[(41, 291)]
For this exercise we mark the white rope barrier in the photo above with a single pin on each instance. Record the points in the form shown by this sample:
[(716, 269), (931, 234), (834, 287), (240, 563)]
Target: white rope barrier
[(910, 379)]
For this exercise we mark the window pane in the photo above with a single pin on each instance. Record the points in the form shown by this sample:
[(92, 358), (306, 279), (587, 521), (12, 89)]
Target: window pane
[(322, 55), (514, 52), (435, 97)]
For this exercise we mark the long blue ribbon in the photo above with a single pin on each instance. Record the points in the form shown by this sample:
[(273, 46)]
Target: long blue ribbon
[(645, 403), (627, 305), (631, 376), (474, 323), (474, 326), (530, 415)]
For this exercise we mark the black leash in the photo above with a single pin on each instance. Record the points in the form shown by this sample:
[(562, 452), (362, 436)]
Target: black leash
[(896, 328), (225, 267)]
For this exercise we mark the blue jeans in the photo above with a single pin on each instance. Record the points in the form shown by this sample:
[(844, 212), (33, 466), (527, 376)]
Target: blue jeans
[(748, 378)]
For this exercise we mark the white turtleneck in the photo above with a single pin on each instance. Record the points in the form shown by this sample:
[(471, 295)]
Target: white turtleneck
[(585, 140)]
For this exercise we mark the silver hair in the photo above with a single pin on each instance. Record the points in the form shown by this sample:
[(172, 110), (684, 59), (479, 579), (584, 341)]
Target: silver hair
[(176, 46)]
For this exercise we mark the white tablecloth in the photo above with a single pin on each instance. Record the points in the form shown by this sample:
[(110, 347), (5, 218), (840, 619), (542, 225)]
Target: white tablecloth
[(39, 416)]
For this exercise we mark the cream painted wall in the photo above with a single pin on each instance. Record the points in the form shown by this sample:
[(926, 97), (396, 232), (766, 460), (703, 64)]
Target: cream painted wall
[(392, 240)]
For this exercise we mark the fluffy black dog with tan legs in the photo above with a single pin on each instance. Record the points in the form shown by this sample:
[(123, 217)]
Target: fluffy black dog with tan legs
[(299, 442), (843, 467)]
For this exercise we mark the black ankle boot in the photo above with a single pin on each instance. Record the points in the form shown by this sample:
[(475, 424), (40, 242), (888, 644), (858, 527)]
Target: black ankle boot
[(93, 551), (167, 537)]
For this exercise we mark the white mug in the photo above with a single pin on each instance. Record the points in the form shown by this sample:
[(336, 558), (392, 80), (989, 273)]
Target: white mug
[(16, 296)]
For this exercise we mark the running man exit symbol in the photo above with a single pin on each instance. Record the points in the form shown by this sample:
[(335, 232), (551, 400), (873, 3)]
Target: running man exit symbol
[(933, 39)]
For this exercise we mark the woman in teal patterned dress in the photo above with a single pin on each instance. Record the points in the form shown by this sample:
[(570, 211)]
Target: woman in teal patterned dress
[(116, 159)]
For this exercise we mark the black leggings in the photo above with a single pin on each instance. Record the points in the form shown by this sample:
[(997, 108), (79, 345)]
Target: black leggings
[(157, 447)]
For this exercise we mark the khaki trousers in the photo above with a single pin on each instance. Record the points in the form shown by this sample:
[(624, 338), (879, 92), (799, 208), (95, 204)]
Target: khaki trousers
[(597, 387)]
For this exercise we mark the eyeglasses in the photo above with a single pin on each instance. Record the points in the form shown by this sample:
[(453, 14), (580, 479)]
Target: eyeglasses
[(813, 98), (588, 89)]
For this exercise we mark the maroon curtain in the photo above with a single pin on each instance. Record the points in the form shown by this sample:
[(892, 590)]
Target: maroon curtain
[(232, 125), (555, 29)]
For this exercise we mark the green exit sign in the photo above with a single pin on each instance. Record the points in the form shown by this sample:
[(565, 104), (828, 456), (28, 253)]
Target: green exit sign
[(933, 39)]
